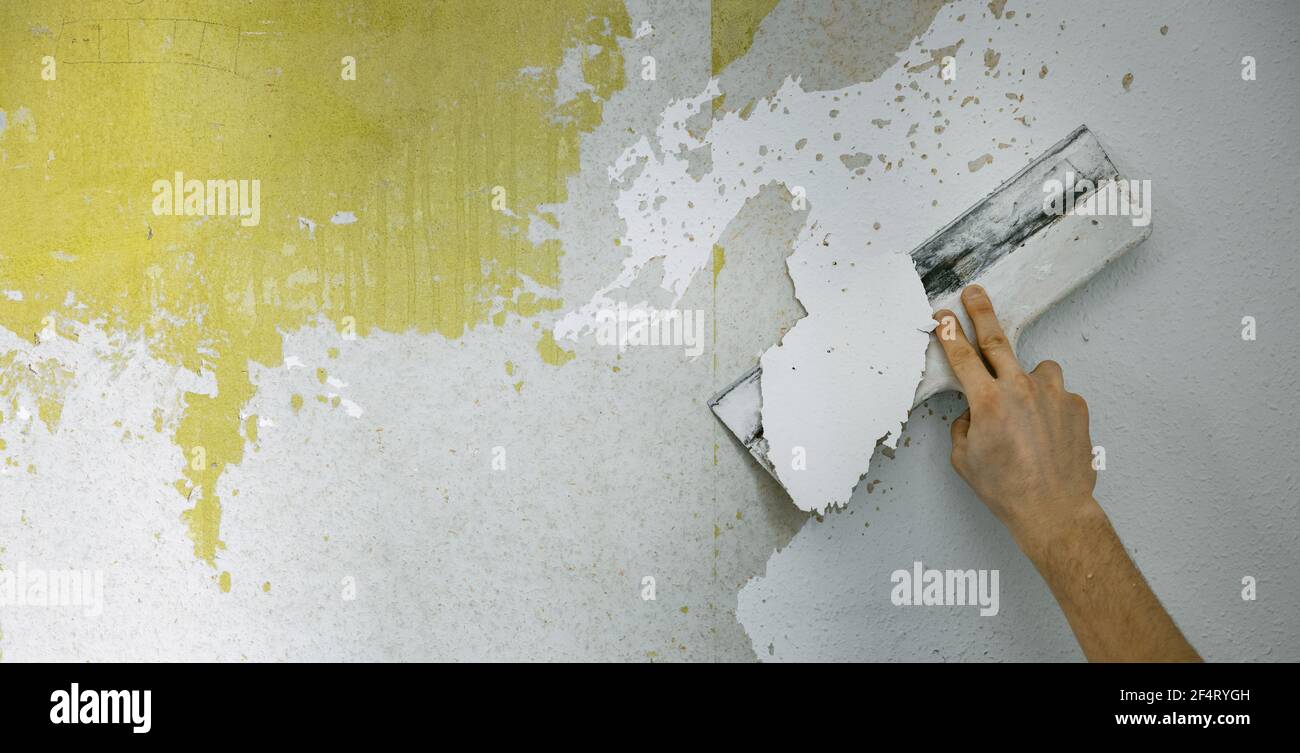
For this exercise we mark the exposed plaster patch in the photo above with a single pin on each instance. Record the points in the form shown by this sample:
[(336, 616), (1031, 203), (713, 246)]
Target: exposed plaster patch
[(991, 58), (569, 79)]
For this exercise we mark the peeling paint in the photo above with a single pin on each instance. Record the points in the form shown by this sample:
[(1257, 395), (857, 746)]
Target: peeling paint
[(213, 297)]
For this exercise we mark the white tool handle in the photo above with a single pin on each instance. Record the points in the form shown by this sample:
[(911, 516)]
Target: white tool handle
[(1048, 267)]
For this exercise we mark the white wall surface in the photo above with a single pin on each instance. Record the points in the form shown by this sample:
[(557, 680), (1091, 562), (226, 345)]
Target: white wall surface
[(617, 475)]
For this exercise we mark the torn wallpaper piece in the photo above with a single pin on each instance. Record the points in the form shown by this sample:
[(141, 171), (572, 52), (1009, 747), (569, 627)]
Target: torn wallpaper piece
[(845, 375)]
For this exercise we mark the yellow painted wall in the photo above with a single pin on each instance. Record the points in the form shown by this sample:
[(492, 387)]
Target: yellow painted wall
[(450, 101)]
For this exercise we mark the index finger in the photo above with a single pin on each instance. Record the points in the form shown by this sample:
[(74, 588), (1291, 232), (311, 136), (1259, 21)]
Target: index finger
[(962, 356), (993, 341)]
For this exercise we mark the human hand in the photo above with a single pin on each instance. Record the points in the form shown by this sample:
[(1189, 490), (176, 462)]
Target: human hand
[(1023, 444)]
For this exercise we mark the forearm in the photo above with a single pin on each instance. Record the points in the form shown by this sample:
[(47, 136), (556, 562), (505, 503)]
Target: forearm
[(1113, 612), (1024, 447)]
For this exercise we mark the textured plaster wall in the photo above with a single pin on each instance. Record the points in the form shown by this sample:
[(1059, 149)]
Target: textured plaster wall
[(384, 532), (1192, 417)]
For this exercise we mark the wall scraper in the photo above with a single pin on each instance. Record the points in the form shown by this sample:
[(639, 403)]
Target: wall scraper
[(1025, 256)]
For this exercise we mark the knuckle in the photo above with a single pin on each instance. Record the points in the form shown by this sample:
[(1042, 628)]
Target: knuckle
[(1022, 383), (1048, 383), (994, 341), (960, 356)]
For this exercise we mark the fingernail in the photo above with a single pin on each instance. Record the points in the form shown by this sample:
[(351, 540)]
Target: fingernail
[(974, 289)]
